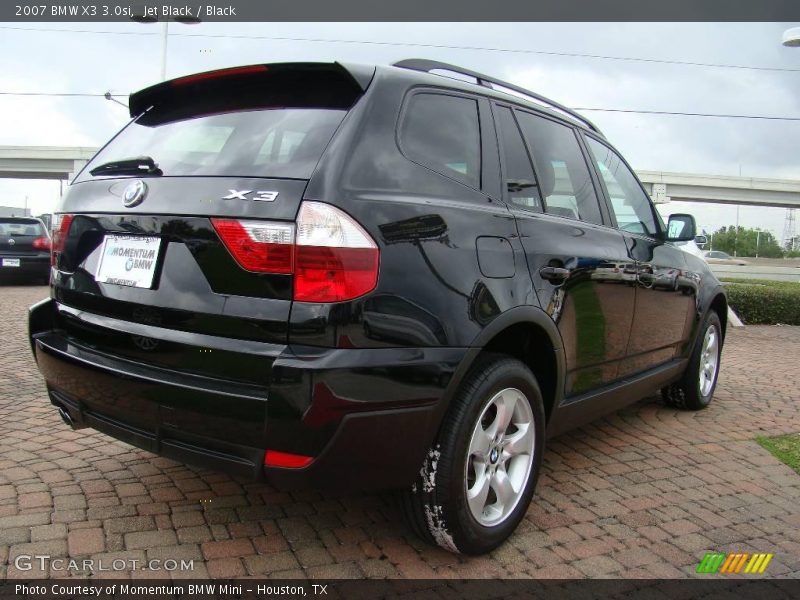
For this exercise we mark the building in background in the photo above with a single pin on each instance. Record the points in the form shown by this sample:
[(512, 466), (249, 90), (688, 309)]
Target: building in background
[(14, 211)]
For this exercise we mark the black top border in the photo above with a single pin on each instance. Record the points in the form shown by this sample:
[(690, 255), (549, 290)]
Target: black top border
[(403, 10)]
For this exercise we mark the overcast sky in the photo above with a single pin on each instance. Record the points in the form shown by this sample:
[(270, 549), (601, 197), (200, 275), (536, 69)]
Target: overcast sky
[(126, 57)]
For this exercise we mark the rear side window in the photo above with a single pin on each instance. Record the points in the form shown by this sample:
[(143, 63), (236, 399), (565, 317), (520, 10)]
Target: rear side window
[(21, 227), (520, 182), (630, 204), (281, 143), (563, 174), (442, 133)]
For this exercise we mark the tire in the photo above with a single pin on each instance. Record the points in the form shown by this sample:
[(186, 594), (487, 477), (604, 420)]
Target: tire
[(437, 505), (694, 392)]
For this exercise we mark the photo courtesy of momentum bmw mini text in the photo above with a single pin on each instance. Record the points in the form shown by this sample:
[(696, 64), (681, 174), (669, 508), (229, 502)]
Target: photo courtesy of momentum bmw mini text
[(144, 590), (297, 300)]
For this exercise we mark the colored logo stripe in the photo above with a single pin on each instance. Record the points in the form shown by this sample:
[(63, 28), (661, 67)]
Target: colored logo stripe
[(758, 563), (719, 562), (711, 562), (734, 563)]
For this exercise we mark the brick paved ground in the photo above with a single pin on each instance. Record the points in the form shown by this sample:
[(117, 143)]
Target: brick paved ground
[(642, 493)]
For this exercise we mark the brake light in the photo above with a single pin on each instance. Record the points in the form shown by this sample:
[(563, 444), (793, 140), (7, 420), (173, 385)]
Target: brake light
[(60, 229), (332, 257), (249, 70), (42, 243), (273, 458), (259, 246)]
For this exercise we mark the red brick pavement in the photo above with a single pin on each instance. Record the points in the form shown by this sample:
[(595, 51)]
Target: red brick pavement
[(642, 493)]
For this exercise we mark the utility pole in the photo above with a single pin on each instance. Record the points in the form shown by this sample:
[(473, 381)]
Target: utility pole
[(736, 234), (758, 235), (788, 230)]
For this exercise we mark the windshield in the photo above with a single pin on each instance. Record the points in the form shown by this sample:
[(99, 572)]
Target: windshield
[(21, 227), (280, 143)]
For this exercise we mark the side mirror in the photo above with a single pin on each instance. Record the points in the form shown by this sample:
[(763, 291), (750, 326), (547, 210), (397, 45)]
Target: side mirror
[(681, 228), (700, 240)]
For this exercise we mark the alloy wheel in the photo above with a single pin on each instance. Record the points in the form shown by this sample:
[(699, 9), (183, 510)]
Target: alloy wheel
[(499, 457)]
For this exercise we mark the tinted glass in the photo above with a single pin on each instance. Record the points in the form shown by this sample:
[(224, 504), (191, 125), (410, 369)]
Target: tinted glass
[(519, 179), (630, 204), (442, 133), (563, 175), (270, 143), (21, 227)]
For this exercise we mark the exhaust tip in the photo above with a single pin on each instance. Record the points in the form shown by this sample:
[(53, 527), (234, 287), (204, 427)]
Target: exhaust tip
[(65, 417)]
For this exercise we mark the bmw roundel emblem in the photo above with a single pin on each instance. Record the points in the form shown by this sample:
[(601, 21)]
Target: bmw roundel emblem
[(134, 193)]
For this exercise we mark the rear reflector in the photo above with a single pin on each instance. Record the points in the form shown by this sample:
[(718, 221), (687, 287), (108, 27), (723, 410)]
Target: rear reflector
[(273, 458), (332, 257), (60, 229), (259, 246)]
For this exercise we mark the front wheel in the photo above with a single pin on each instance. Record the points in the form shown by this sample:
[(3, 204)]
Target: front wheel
[(478, 479), (696, 388)]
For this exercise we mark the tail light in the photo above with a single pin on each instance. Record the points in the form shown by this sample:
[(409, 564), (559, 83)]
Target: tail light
[(335, 258), (60, 229), (331, 256), (260, 246), (42, 243)]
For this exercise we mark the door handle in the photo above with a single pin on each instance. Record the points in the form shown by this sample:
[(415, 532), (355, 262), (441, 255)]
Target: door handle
[(558, 274)]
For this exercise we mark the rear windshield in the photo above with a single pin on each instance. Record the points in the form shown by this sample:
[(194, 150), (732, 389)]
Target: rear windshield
[(281, 143), (21, 227)]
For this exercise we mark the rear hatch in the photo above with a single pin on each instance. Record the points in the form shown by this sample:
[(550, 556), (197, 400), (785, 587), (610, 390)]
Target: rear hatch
[(151, 243)]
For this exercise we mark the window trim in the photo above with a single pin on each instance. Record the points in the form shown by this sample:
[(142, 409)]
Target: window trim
[(658, 235), (430, 90), (589, 167)]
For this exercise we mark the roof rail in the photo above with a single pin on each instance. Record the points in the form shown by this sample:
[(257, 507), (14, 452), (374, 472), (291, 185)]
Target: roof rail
[(426, 66)]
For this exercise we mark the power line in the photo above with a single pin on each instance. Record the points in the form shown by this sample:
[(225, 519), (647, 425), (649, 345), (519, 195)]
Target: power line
[(421, 45), (690, 114), (62, 94), (594, 109)]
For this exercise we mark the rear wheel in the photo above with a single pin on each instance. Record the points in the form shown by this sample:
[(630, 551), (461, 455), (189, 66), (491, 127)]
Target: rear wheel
[(478, 479), (696, 388)]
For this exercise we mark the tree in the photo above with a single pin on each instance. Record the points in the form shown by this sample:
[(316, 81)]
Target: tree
[(742, 242)]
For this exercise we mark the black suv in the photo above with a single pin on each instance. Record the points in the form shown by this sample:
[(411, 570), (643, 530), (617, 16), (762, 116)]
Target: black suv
[(368, 277)]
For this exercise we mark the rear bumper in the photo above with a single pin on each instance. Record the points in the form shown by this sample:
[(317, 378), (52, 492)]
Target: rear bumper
[(367, 417), (29, 266)]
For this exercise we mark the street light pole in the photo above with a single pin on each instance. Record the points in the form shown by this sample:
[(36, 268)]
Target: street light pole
[(791, 37), (164, 39), (147, 19)]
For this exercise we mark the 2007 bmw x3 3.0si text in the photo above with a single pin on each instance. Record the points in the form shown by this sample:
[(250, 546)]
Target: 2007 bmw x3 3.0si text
[(339, 275)]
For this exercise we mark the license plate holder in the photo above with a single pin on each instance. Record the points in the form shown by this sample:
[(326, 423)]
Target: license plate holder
[(128, 260)]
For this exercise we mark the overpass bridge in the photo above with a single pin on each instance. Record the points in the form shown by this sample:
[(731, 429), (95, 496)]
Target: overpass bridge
[(62, 162)]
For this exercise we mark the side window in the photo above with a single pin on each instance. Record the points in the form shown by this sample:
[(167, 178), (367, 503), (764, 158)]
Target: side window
[(630, 204), (520, 182), (564, 178), (442, 133)]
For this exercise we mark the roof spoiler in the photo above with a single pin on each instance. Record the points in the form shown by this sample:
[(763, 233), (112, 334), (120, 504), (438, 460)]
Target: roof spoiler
[(326, 84)]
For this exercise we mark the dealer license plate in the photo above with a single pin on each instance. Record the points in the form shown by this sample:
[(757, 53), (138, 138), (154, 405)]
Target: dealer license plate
[(128, 260)]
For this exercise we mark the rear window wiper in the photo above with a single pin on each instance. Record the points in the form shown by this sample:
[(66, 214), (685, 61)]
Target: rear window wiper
[(139, 165)]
